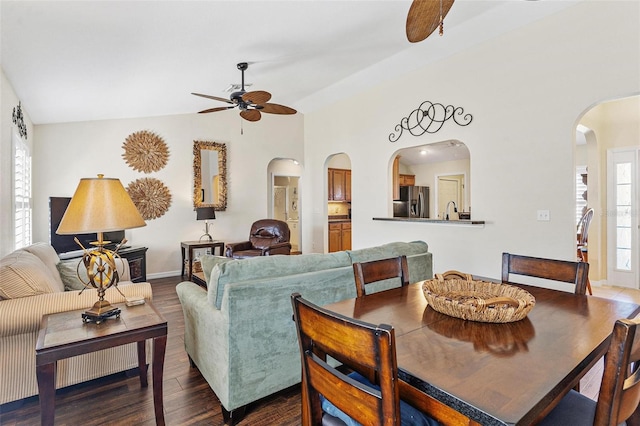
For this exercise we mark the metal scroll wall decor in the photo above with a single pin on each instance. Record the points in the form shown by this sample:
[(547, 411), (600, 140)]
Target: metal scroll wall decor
[(18, 120), (429, 117)]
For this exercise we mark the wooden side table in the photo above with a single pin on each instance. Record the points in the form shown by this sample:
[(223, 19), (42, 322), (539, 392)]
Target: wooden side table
[(187, 248), (64, 335)]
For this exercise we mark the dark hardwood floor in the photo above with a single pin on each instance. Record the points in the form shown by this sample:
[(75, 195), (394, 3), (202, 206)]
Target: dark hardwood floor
[(188, 399)]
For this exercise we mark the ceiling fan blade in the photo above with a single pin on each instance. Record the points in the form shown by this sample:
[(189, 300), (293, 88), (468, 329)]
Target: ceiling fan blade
[(251, 114), (215, 109), (215, 98), (256, 97), (277, 109), (424, 18)]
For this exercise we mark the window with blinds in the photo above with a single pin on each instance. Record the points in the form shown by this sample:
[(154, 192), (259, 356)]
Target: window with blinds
[(22, 193)]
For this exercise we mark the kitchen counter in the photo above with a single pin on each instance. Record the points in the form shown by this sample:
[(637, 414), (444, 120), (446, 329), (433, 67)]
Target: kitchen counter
[(339, 218), (433, 221)]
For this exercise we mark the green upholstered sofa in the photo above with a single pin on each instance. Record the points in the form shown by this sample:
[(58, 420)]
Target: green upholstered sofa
[(239, 331)]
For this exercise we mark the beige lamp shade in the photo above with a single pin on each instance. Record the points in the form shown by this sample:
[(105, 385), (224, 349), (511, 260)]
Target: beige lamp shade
[(100, 205)]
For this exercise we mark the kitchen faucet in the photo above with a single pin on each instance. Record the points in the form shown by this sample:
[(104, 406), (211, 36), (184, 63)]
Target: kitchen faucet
[(455, 209)]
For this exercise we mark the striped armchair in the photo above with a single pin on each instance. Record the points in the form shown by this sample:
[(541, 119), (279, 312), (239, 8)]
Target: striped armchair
[(31, 286)]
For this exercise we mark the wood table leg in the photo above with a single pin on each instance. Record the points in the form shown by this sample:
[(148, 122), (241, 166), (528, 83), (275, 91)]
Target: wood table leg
[(190, 271), (183, 259), (46, 375), (159, 346), (142, 363)]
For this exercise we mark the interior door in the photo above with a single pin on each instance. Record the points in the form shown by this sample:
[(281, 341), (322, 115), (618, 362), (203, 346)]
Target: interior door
[(623, 199), (280, 203), (449, 189)]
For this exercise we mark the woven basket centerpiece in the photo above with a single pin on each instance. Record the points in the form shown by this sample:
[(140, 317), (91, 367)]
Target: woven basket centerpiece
[(481, 301)]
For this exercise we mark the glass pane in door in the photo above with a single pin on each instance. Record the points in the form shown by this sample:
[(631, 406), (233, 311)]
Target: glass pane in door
[(623, 216)]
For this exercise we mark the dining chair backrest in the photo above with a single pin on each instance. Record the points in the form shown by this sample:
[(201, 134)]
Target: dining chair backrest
[(379, 270), (620, 387), (359, 346), (551, 269), (619, 394), (583, 228)]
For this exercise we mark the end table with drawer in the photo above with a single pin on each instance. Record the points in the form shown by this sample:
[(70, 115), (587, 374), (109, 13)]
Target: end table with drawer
[(188, 247)]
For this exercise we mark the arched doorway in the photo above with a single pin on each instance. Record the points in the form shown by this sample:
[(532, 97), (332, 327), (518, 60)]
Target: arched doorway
[(607, 160), (285, 197), (338, 172)]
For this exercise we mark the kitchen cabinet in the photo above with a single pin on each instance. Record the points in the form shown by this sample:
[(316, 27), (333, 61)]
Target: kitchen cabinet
[(347, 185), (339, 185), (398, 180), (345, 238), (407, 180), (339, 236)]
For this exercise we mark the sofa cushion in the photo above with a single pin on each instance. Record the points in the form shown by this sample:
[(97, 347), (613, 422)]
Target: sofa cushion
[(69, 273), (208, 261), (388, 250), (49, 257), (23, 274), (73, 277), (266, 267)]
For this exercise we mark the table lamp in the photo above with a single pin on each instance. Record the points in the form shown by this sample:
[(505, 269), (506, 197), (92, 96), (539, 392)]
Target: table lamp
[(205, 213), (100, 205)]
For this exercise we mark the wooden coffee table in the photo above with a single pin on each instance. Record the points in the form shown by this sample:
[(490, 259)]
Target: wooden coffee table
[(64, 335)]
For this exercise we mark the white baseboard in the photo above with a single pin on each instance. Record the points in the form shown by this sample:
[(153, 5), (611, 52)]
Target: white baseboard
[(163, 275)]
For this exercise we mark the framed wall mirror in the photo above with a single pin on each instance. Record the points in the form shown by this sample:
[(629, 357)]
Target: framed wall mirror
[(210, 175)]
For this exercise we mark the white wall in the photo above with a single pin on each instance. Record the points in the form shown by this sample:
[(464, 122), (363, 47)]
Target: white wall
[(8, 101), (65, 153), (526, 91)]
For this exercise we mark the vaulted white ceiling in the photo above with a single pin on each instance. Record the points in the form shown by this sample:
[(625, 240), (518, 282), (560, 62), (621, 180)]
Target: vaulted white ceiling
[(91, 60)]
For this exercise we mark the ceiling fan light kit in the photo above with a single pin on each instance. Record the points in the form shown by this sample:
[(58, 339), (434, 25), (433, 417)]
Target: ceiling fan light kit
[(251, 104)]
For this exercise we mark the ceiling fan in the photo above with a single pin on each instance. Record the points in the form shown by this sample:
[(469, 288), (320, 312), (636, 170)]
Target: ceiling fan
[(425, 16), (251, 104)]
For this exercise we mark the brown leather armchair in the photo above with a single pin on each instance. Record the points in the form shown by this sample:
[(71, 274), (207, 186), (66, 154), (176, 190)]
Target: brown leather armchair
[(267, 238)]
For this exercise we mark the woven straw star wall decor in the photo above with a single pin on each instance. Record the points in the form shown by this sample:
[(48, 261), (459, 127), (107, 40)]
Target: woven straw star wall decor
[(145, 151), (151, 197)]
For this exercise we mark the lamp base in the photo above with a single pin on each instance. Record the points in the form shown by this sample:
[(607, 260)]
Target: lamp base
[(207, 237), (100, 311)]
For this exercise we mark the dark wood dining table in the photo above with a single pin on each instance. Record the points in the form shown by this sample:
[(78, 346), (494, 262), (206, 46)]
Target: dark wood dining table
[(495, 374)]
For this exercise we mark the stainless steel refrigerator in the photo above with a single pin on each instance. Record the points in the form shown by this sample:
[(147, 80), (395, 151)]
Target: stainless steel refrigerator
[(413, 202)]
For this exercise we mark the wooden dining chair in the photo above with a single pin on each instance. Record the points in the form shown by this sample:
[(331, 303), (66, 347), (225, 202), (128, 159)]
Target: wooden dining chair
[(619, 390), (379, 270), (332, 397), (582, 236), (551, 269)]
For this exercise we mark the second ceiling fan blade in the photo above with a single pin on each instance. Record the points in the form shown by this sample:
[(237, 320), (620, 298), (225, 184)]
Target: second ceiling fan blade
[(215, 109), (251, 114), (277, 109), (215, 98), (424, 18)]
